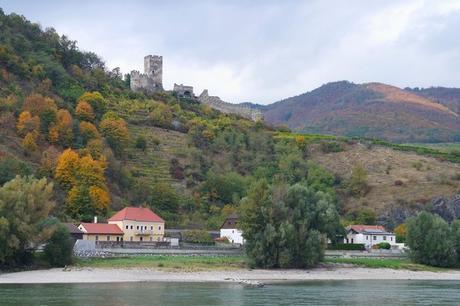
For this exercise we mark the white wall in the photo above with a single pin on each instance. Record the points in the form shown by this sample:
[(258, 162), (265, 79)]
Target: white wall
[(370, 240), (233, 235)]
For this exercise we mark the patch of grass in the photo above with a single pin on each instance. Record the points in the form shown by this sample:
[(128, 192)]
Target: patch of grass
[(388, 263), (185, 263)]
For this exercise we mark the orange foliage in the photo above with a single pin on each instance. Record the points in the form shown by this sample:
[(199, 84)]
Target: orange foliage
[(49, 160), (27, 123), (64, 125), (84, 111), (36, 104), (100, 198), (53, 134)]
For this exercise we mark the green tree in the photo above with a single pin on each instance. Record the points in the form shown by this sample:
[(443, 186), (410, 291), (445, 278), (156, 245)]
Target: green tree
[(456, 238), (25, 203), (59, 247), (430, 241), (287, 226), (141, 142)]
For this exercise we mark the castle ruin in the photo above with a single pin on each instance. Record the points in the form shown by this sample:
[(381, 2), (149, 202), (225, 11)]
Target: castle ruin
[(152, 79), (183, 90)]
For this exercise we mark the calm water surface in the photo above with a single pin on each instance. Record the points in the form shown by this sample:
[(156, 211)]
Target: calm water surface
[(306, 293)]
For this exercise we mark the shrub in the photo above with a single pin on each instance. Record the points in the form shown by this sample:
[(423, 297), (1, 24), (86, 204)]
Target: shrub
[(141, 143), (384, 246), (58, 250), (347, 246), (357, 185), (331, 146), (197, 236)]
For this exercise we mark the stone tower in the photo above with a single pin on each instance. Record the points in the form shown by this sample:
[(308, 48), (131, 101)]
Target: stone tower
[(152, 79)]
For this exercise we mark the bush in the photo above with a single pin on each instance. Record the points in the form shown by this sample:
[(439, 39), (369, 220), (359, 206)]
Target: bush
[(197, 236), (384, 246), (331, 146), (141, 143), (347, 246), (58, 250)]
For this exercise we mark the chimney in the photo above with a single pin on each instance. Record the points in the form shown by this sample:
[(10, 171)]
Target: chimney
[(95, 219)]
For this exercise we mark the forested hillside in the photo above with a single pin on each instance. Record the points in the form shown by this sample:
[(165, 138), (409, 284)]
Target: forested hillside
[(66, 117)]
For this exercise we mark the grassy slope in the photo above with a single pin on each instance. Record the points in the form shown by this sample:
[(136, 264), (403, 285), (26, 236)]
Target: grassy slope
[(423, 177)]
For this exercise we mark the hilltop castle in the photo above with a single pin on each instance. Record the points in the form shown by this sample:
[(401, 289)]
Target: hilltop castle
[(152, 79)]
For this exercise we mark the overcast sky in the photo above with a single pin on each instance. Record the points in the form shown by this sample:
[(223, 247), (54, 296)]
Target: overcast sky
[(263, 51)]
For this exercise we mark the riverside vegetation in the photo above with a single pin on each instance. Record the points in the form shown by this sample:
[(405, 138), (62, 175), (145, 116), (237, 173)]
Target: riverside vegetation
[(77, 140)]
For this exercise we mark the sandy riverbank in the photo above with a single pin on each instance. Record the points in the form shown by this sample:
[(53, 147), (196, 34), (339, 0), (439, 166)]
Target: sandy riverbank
[(96, 275)]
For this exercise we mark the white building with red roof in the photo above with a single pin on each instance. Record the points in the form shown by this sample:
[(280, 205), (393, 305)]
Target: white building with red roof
[(139, 224), (101, 232), (368, 235)]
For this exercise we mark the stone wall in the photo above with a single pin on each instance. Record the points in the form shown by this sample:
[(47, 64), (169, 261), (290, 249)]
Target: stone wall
[(183, 90), (225, 107)]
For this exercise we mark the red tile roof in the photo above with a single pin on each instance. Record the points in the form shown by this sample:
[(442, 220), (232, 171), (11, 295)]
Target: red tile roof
[(136, 214), (360, 228), (102, 228)]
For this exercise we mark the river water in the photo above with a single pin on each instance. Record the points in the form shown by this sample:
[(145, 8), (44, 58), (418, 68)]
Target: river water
[(366, 292)]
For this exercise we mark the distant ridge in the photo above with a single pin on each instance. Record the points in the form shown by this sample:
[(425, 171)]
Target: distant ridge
[(372, 110)]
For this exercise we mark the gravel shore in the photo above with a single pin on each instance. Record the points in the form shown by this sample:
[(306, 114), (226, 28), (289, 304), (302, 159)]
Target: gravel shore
[(101, 275)]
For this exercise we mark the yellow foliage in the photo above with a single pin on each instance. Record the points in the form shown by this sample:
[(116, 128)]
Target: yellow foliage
[(95, 147), (84, 111), (66, 168), (27, 123), (29, 144), (401, 230), (90, 172), (99, 198)]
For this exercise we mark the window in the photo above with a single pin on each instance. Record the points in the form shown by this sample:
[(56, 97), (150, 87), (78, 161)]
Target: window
[(367, 237), (130, 238), (141, 238), (97, 237), (384, 237), (375, 237), (131, 227), (391, 238), (108, 238), (126, 226), (159, 228), (233, 231), (137, 227), (118, 238), (150, 238), (151, 228), (352, 241)]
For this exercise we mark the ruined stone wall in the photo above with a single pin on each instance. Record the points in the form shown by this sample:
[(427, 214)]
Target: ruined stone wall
[(225, 107), (183, 90)]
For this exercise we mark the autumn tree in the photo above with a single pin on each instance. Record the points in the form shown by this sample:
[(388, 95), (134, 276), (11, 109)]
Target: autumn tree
[(85, 111), (62, 129), (25, 203), (84, 178), (96, 101), (27, 123), (28, 143), (43, 107), (116, 133), (88, 131)]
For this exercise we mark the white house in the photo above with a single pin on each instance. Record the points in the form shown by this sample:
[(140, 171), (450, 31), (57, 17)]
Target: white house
[(230, 231), (369, 235)]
